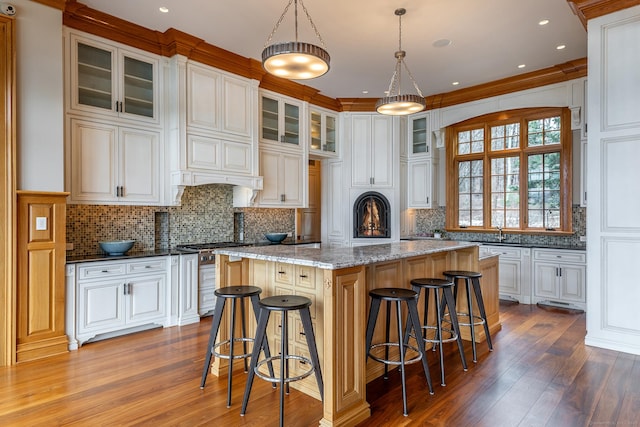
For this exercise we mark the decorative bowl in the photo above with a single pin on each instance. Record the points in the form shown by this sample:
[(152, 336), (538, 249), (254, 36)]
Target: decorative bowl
[(275, 237), (116, 247)]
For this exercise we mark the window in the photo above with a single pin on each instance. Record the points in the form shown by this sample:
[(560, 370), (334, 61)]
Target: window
[(510, 170)]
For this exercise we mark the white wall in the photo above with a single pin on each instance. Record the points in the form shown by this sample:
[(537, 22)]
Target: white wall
[(40, 100)]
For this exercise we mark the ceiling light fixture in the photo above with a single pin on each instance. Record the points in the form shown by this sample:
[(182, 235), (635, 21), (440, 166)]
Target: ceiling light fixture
[(396, 103), (295, 60)]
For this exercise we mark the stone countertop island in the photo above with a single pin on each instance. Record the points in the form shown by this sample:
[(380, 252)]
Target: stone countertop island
[(337, 280)]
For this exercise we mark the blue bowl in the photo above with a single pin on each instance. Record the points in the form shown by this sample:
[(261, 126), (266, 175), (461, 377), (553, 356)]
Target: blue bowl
[(116, 247), (275, 237)]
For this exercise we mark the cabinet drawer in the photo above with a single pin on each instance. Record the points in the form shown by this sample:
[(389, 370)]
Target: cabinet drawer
[(503, 251), (306, 277), (100, 270), (560, 256), (147, 266), (284, 273)]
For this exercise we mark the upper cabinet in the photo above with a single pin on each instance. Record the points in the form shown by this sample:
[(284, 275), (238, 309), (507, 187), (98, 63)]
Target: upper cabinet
[(322, 132), (419, 135), (280, 120), (218, 102), (108, 79), (372, 150)]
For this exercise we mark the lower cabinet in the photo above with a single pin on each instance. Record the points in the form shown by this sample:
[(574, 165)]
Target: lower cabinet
[(206, 289), (188, 290), (515, 265), (559, 276), (117, 295)]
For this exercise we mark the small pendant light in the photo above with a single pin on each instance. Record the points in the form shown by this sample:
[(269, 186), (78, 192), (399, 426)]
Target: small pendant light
[(396, 103)]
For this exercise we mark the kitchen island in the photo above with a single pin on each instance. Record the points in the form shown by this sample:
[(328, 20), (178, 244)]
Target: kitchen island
[(337, 280)]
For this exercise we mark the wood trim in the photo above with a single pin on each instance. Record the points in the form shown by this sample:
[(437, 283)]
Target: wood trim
[(589, 9), (7, 191), (171, 42)]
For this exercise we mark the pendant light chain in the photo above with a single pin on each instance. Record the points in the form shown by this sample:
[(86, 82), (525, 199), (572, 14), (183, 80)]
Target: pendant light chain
[(286, 9)]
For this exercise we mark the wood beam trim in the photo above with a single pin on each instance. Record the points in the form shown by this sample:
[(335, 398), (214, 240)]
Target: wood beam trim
[(589, 9)]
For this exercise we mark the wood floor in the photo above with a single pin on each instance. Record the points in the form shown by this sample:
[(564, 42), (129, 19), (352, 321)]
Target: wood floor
[(540, 374)]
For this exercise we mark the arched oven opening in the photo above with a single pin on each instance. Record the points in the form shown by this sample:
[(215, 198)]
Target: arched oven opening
[(371, 212)]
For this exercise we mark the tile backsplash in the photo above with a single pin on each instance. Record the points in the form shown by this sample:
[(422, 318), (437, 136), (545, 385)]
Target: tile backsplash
[(205, 215)]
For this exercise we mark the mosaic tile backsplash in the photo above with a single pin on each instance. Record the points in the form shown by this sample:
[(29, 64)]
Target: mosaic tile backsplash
[(206, 215), (428, 220)]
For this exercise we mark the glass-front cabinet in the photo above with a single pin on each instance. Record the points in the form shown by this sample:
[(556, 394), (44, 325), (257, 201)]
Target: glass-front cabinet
[(280, 120), (419, 135), (108, 79), (322, 132)]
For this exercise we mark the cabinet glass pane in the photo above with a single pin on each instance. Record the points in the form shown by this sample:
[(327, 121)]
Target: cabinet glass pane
[(330, 143), (94, 77), (419, 135), (270, 119), (291, 124), (138, 87), (316, 130)]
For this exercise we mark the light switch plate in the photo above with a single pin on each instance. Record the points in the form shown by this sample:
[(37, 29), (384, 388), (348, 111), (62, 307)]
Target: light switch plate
[(41, 223)]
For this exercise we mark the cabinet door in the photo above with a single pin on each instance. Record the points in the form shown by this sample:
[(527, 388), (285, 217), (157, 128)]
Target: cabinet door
[(139, 160), (93, 76), (572, 282), (236, 106), (138, 86), (545, 280), (382, 152), (283, 179), (202, 98), (290, 128), (419, 136), (269, 169), (188, 295), (361, 151), (93, 165), (293, 179), (146, 298), (100, 306), (420, 184), (510, 277)]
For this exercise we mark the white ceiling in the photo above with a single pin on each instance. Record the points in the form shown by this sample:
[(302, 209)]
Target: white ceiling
[(490, 38)]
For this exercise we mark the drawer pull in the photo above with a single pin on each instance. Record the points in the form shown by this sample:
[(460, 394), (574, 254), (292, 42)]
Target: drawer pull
[(147, 266), (303, 334), (104, 271), (303, 276), (281, 272)]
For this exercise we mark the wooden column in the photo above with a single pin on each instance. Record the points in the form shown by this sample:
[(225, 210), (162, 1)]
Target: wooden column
[(40, 290)]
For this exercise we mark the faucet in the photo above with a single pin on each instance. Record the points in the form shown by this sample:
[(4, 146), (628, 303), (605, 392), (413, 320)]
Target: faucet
[(501, 236)]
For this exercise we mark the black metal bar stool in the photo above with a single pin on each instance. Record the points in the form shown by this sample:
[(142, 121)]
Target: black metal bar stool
[(235, 294), (397, 295), (472, 286), (283, 304), (446, 286)]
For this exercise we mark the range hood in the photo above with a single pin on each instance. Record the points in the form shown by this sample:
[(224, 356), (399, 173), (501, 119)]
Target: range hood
[(244, 193)]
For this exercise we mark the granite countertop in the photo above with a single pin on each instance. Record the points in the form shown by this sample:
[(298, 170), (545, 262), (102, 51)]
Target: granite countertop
[(128, 255), (336, 258)]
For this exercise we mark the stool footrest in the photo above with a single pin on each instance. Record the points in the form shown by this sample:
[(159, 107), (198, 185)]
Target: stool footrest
[(394, 362), (286, 380), (453, 337), (235, 356), (478, 320)]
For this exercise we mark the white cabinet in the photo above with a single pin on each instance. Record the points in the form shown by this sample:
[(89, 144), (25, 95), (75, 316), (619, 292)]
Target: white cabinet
[(420, 183), (419, 135), (116, 295), (280, 120), (372, 154), (206, 289), (559, 276), (323, 132), (110, 79), (188, 290), (218, 155), (109, 163), (514, 275), (285, 179), (218, 102)]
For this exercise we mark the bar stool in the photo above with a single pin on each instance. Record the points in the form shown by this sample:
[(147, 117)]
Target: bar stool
[(284, 304), (235, 294), (472, 281), (449, 302), (398, 296)]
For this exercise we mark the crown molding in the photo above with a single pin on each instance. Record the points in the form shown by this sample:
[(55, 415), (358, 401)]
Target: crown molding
[(172, 41), (589, 9)]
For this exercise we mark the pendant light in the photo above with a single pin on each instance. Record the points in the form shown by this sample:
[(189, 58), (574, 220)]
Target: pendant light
[(295, 60), (396, 103)]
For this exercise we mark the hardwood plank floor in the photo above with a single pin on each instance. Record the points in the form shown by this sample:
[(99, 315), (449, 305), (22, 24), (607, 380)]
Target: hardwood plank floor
[(540, 374)]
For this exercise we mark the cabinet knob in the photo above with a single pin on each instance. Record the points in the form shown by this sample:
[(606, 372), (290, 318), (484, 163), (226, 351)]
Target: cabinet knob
[(282, 197)]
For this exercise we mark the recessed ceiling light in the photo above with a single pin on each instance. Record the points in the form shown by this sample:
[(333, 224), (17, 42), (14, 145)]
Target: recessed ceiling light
[(455, 83), (365, 92), (441, 43), (164, 9), (521, 66), (543, 22), (560, 47)]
